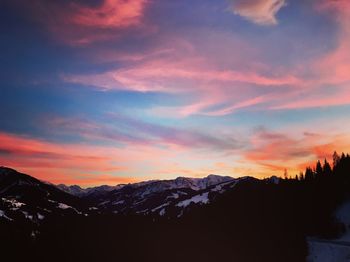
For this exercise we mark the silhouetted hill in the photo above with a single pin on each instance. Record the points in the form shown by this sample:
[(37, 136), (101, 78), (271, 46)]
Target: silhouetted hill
[(253, 220)]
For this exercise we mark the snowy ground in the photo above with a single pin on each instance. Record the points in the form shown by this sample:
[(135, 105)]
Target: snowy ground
[(337, 250), (327, 251)]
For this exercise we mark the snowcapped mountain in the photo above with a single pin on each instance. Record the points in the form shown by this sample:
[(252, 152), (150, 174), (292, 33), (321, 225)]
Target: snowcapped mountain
[(83, 192), (35, 200), (23, 197), (73, 190), (170, 198), (148, 187), (162, 197)]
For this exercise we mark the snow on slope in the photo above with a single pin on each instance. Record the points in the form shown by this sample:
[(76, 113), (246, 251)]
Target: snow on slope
[(320, 251), (2, 214), (343, 215), (201, 198), (333, 250)]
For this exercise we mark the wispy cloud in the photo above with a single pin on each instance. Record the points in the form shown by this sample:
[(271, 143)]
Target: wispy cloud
[(262, 12), (146, 88), (126, 131)]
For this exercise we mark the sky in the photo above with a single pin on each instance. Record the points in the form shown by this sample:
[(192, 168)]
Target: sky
[(116, 91)]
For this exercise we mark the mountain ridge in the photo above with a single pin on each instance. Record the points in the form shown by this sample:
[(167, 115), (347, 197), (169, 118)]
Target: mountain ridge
[(24, 195), (78, 190)]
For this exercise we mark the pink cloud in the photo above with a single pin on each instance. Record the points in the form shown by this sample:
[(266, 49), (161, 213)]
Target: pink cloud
[(194, 75), (78, 23), (111, 14), (157, 76), (67, 163), (328, 83), (137, 133), (262, 12), (91, 164), (243, 104), (217, 85)]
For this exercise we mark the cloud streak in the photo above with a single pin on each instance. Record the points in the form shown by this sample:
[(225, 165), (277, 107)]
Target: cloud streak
[(127, 131)]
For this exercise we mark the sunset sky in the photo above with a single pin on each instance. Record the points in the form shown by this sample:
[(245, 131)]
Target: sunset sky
[(115, 91)]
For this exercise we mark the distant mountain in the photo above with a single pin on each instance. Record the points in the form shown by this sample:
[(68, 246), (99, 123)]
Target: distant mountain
[(84, 192), (165, 198), (152, 186), (73, 190), (162, 197), (35, 200)]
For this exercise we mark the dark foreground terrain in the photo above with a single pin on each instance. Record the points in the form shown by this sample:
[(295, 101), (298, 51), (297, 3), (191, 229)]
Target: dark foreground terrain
[(254, 220)]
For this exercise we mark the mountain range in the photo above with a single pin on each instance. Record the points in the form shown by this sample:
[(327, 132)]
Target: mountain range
[(209, 219), (26, 197)]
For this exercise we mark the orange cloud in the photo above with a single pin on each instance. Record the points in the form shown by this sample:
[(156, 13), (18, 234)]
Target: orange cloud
[(88, 180), (85, 164), (276, 151), (60, 163)]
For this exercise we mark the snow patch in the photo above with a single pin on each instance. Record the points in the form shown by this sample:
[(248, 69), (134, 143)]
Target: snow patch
[(162, 212), (337, 250), (159, 207), (220, 188), (27, 216), (327, 252), (63, 206), (173, 196), (2, 214), (120, 202), (104, 203), (13, 202), (343, 215), (197, 199)]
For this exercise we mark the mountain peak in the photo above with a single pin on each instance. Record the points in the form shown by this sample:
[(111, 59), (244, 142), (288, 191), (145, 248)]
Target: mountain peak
[(6, 170)]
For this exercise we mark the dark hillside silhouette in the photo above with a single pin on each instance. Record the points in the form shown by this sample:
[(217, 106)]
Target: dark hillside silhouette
[(257, 220)]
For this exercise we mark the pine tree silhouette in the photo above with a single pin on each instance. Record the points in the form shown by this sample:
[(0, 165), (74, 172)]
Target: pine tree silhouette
[(318, 170), (327, 170)]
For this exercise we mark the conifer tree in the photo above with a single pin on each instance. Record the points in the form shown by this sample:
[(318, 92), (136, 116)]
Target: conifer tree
[(327, 170), (319, 169)]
